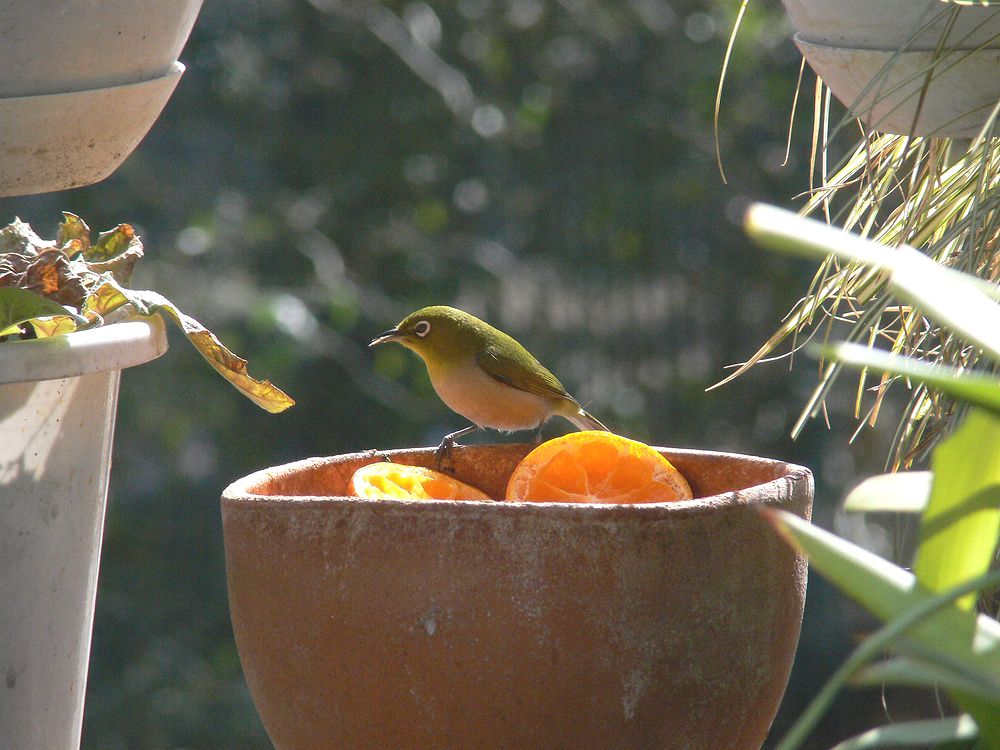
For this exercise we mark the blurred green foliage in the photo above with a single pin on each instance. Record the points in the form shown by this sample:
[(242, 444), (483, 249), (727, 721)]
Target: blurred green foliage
[(548, 165)]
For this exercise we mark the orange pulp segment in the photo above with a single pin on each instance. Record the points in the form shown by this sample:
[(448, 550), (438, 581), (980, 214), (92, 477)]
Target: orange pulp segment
[(596, 467), (386, 480)]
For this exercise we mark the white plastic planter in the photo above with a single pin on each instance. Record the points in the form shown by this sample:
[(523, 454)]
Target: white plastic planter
[(890, 24), (57, 411), (81, 83), (60, 141), (875, 56), (882, 87), (55, 46)]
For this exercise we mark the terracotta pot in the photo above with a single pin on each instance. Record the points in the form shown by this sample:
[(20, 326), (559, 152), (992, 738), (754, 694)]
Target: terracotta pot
[(432, 624)]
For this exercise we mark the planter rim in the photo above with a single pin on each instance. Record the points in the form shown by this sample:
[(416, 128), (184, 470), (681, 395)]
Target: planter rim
[(801, 39), (175, 71), (114, 346), (239, 491), (112, 42)]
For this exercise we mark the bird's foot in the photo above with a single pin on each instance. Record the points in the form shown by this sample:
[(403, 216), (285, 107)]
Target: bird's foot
[(442, 455), (444, 450)]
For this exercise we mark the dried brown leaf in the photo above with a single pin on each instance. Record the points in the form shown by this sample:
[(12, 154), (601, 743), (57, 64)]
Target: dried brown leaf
[(122, 265), (232, 367), (51, 274)]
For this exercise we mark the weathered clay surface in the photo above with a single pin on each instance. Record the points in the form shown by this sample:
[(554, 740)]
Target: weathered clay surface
[(394, 624)]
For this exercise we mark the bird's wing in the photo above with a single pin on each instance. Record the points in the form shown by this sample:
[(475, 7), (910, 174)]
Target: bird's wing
[(508, 370)]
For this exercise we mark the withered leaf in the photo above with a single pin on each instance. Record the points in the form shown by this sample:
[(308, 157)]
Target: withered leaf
[(40, 281), (111, 243), (105, 299), (232, 367), (19, 237), (12, 268), (54, 326), (51, 274), (73, 230), (121, 266)]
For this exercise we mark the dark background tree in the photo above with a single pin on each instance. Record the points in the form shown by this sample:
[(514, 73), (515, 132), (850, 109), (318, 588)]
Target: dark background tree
[(325, 168)]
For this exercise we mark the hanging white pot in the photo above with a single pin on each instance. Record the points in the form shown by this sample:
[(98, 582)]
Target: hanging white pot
[(60, 141), (57, 410), (55, 46), (81, 82), (882, 61)]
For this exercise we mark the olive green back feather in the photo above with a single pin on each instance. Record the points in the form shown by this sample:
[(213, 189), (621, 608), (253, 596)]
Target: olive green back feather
[(499, 362)]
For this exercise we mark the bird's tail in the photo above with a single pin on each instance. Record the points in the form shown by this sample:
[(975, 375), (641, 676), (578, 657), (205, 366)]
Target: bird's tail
[(585, 421)]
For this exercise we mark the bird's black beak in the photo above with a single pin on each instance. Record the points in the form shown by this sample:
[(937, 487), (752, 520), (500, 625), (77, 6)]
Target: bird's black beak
[(390, 335)]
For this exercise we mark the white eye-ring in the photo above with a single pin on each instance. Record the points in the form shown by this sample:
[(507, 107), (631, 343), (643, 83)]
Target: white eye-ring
[(422, 328)]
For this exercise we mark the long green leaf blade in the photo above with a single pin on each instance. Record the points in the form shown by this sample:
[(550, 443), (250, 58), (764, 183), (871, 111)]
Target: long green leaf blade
[(902, 492), (914, 672), (915, 733), (966, 305), (973, 388), (889, 591), (961, 526), (915, 618)]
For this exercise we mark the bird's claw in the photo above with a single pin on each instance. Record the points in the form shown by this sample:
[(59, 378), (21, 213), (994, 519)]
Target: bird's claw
[(442, 455), (447, 445)]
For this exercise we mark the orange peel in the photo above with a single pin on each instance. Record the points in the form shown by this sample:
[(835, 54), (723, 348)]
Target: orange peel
[(596, 467)]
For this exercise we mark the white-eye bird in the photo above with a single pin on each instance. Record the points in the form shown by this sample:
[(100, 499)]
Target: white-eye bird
[(484, 374)]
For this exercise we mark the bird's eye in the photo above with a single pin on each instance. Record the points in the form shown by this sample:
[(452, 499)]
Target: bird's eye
[(422, 328)]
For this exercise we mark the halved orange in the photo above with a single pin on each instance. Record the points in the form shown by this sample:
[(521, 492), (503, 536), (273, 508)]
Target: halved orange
[(391, 480), (596, 467)]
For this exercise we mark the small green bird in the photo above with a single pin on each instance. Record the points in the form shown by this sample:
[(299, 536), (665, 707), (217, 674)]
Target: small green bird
[(484, 374)]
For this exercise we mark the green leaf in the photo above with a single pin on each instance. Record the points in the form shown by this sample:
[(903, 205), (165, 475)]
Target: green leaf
[(18, 306), (929, 622), (961, 526), (231, 367), (915, 733), (902, 492), (970, 387), (916, 672), (963, 304), (888, 591)]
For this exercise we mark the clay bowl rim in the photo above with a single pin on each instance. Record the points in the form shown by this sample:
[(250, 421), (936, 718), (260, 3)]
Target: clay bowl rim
[(764, 494)]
